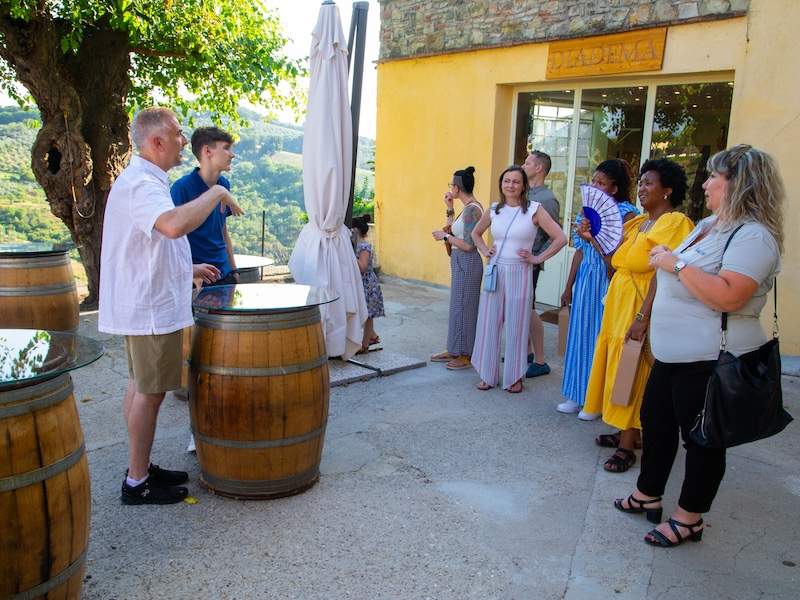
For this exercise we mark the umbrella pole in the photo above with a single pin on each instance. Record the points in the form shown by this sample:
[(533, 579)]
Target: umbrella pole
[(358, 25)]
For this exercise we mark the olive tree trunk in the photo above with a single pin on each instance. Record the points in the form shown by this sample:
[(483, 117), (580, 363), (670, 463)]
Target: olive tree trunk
[(83, 143)]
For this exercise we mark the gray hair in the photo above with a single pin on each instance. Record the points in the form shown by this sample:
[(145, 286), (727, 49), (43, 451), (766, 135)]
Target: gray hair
[(148, 121)]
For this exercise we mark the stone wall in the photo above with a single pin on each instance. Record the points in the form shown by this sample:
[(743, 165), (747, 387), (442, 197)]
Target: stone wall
[(425, 27)]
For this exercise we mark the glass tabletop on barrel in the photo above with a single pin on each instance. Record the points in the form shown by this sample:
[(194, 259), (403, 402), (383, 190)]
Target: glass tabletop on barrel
[(28, 356), (261, 297), (11, 250)]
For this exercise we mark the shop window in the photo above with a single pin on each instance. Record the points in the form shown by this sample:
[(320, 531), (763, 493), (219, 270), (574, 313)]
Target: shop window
[(611, 126), (690, 124), (544, 122)]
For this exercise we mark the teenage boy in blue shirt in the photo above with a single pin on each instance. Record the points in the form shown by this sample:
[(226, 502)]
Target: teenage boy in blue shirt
[(210, 243)]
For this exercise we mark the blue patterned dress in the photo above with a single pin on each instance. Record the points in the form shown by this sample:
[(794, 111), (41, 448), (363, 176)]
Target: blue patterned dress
[(372, 288), (586, 315)]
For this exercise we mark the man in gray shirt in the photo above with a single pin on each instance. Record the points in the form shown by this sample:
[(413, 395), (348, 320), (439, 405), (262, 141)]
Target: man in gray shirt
[(536, 167)]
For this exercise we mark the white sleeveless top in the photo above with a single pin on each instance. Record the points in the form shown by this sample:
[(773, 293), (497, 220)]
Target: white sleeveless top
[(521, 234)]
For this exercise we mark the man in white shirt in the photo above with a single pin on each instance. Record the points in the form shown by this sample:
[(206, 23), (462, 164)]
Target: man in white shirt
[(145, 289)]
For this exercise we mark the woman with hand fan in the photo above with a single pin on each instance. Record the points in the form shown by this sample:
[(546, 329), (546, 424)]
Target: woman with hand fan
[(662, 188), (588, 281)]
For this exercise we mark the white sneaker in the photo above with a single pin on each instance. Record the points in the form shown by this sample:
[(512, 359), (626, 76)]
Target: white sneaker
[(584, 416), (191, 447), (568, 408)]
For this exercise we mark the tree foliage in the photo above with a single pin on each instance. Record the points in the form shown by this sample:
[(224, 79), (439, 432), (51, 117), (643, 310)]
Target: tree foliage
[(87, 64), (203, 55)]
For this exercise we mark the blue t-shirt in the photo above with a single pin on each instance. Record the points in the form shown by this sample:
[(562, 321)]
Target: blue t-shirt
[(207, 241)]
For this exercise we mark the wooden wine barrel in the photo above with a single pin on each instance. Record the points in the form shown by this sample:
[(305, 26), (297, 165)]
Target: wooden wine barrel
[(44, 492), (38, 292), (259, 401)]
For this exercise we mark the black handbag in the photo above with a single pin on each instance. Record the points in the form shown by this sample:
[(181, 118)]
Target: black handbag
[(744, 400)]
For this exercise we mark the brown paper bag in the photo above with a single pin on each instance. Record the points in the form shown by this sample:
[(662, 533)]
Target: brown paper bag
[(626, 373), (563, 328)]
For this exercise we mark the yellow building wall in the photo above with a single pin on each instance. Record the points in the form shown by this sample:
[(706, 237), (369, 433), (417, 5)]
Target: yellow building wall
[(442, 113)]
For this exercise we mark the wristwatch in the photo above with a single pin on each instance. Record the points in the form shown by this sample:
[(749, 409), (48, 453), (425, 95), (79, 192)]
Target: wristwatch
[(446, 237), (679, 266)]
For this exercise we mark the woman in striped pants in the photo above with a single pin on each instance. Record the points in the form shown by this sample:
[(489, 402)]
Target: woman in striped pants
[(514, 224)]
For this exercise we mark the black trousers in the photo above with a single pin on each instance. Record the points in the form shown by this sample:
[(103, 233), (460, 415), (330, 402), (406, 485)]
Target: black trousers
[(673, 397)]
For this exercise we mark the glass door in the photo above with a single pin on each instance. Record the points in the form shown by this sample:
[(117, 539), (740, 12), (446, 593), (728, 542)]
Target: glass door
[(611, 126), (545, 122)]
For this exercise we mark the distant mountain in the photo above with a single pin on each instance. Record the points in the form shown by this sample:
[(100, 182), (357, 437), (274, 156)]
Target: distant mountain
[(266, 176)]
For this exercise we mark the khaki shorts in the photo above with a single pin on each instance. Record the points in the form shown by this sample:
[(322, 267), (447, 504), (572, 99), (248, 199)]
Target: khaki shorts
[(154, 361)]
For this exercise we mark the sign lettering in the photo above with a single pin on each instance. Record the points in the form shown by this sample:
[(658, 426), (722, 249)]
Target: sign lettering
[(618, 53)]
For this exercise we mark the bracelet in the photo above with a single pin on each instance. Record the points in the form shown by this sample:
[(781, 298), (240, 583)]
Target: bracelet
[(450, 212)]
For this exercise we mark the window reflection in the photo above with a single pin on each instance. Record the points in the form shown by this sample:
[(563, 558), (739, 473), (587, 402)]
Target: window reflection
[(544, 122), (611, 126), (690, 124)]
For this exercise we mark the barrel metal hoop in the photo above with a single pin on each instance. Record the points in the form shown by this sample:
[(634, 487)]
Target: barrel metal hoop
[(49, 398), (256, 487), (260, 371), (43, 588), (258, 322), (38, 262), (46, 387), (15, 482), (259, 444), (39, 290)]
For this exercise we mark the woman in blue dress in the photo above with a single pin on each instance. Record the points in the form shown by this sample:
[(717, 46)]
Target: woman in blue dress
[(585, 288)]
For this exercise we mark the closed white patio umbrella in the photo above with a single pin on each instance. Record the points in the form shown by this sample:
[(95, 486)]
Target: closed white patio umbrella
[(323, 255)]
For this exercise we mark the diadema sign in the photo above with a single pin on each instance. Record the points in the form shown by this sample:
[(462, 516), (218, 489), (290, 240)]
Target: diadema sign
[(619, 53)]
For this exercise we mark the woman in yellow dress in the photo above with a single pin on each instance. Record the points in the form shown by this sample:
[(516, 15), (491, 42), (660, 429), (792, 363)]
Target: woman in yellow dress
[(662, 188)]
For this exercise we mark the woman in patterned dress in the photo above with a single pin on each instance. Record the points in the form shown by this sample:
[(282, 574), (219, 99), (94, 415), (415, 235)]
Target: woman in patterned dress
[(585, 288), (466, 270), (372, 288)]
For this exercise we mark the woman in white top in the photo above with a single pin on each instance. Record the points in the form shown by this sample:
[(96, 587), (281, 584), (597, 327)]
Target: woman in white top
[(514, 224), (695, 284)]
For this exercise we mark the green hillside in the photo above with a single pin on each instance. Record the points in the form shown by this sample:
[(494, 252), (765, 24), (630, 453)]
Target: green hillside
[(266, 176)]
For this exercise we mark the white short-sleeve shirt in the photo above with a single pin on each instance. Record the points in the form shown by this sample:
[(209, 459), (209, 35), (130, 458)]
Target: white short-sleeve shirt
[(145, 277)]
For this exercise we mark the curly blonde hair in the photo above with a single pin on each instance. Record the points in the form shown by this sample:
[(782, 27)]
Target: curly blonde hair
[(755, 188)]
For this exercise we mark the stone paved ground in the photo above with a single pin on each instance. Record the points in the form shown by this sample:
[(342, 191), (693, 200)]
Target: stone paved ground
[(431, 489)]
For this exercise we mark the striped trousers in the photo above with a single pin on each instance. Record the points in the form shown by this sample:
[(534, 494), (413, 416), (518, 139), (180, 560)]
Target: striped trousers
[(466, 270), (508, 309)]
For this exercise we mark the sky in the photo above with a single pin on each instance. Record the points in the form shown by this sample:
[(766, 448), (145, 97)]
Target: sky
[(298, 18)]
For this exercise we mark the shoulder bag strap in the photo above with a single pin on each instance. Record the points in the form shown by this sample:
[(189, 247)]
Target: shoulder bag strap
[(505, 237), (724, 328)]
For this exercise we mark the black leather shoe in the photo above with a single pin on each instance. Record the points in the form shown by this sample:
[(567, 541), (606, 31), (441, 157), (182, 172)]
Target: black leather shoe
[(148, 493)]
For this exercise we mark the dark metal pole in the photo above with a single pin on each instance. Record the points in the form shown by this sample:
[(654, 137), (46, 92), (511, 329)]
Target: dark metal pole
[(359, 17), (350, 38), (263, 229)]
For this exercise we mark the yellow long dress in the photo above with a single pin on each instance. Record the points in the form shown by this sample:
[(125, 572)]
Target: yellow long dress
[(621, 305)]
